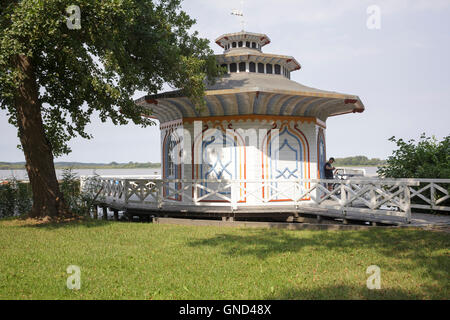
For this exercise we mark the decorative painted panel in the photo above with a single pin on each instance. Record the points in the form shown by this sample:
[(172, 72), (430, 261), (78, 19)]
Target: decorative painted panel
[(285, 156), (223, 157), (172, 165)]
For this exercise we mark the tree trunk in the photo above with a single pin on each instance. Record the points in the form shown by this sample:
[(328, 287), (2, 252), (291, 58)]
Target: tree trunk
[(47, 197)]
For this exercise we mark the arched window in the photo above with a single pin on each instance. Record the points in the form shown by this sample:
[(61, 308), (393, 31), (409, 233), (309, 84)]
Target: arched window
[(260, 68), (242, 67), (254, 45), (240, 44), (252, 67), (233, 67), (234, 44), (269, 68), (247, 44), (277, 69)]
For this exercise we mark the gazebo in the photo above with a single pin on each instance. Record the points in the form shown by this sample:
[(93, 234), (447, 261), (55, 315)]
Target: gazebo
[(257, 125)]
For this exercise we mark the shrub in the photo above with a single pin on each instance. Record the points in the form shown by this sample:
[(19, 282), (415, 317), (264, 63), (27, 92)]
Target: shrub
[(79, 202), (15, 198), (428, 158)]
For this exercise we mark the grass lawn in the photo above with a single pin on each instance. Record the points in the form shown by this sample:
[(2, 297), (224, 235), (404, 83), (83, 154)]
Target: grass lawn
[(145, 261)]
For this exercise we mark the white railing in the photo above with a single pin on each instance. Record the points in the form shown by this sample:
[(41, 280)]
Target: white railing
[(357, 196), (433, 192)]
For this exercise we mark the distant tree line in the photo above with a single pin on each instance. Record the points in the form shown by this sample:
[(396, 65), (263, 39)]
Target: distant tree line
[(79, 165), (358, 161)]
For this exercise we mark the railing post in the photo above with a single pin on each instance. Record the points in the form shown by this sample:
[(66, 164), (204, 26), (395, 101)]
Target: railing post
[(373, 195), (160, 193), (407, 203), (432, 195), (343, 194), (234, 194), (126, 187), (194, 185)]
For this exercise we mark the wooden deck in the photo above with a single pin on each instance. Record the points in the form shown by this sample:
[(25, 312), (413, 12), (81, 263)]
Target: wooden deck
[(364, 200)]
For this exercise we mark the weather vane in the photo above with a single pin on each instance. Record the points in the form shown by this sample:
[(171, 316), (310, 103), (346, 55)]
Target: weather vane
[(240, 13)]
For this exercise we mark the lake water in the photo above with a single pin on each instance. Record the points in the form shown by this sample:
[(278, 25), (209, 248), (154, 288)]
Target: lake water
[(22, 174)]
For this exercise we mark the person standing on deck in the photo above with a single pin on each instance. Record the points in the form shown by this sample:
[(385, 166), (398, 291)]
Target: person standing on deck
[(328, 168)]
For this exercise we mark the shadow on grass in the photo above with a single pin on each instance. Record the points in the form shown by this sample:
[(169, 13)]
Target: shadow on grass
[(341, 292), (409, 250)]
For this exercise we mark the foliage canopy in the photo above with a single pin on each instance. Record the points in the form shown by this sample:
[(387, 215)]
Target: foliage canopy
[(428, 158), (123, 46)]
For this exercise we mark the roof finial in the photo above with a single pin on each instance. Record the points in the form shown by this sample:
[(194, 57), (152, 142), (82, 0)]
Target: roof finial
[(240, 13)]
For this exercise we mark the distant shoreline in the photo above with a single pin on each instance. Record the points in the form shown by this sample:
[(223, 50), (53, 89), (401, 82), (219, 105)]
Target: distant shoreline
[(76, 166)]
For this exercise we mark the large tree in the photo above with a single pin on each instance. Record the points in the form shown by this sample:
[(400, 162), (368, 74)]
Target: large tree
[(55, 74)]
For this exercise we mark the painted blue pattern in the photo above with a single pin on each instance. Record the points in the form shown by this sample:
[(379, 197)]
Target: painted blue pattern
[(290, 152), (285, 172), (223, 167), (210, 107), (178, 106), (273, 102), (171, 169), (225, 105), (241, 103), (300, 104), (286, 104)]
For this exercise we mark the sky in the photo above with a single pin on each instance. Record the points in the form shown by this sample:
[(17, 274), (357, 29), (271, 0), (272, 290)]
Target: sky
[(400, 71)]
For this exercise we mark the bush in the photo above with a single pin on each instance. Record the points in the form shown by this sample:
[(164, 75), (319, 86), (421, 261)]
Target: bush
[(15, 198), (79, 202), (428, 158)]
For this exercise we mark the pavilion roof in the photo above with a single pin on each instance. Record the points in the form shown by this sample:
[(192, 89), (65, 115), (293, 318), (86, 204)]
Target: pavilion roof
[(252, 93)]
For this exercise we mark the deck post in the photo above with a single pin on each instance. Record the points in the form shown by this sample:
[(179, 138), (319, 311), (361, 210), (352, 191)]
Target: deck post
[(125, 193), (407, 203), (160, 193), (105, 213), (343, 194), (116, 214), (432, 196), (234, 195), (195, 198)]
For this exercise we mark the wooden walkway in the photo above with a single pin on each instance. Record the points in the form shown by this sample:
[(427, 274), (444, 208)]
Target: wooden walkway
[(363, 200)]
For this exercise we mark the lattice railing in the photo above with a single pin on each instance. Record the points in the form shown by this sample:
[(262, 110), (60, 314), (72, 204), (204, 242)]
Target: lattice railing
[(431, 194), (373, 196)]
